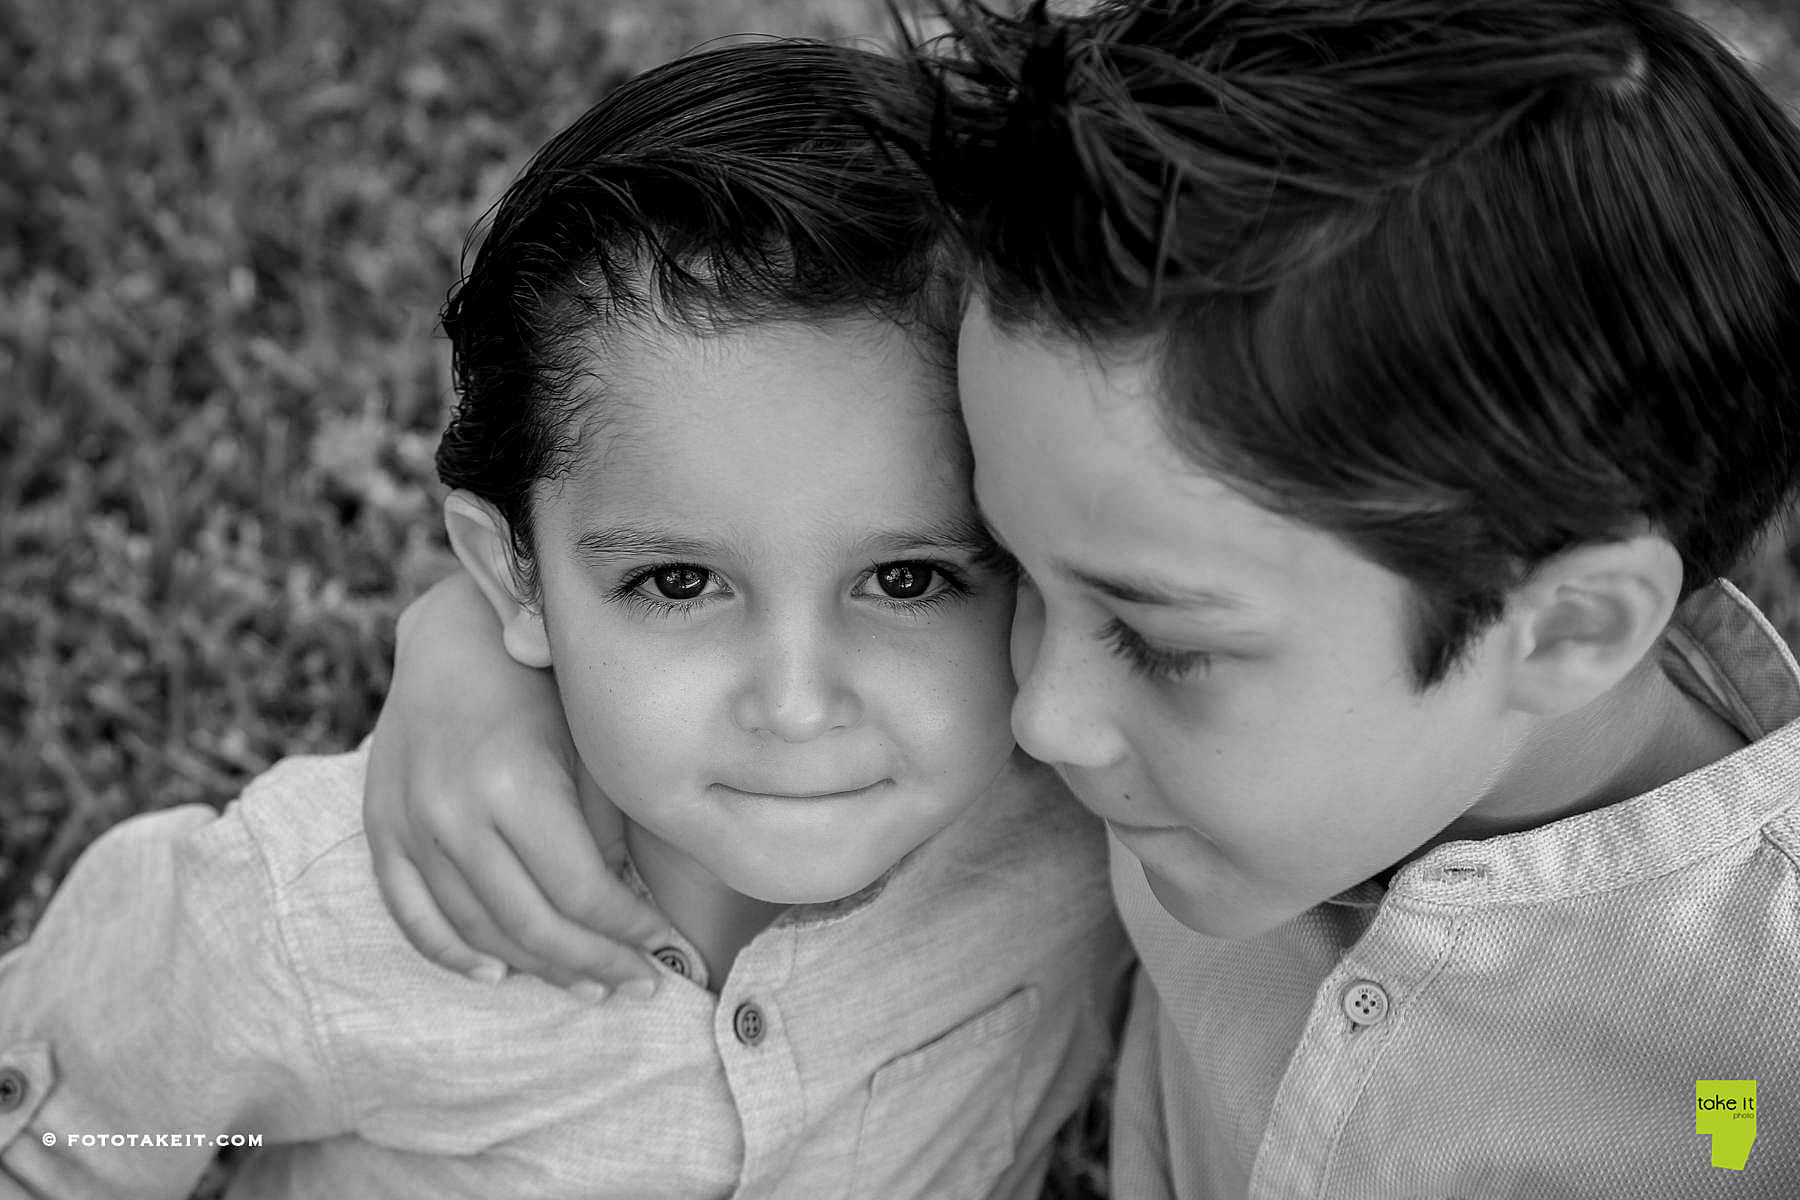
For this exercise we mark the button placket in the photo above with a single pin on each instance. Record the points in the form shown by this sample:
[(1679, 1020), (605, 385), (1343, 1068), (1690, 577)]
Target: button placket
[(751, 1034)]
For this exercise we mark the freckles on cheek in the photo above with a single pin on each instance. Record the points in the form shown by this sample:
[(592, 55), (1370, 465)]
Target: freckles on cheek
[(971, 715), (940, 708), (622, 696)]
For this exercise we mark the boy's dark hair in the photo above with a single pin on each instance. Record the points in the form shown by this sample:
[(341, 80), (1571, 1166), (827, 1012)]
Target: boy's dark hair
[(1464, 282), (741, 185)]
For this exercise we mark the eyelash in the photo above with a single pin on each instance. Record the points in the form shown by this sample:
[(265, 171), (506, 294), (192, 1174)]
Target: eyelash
[(1150, 661), (628, 593), (955, 587)]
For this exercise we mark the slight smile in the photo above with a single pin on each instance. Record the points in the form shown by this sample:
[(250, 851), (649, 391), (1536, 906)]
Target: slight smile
[(838, 794)]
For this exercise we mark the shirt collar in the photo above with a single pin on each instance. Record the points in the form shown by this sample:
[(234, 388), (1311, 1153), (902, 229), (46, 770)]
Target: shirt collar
[(1720, 650), (681, 957)]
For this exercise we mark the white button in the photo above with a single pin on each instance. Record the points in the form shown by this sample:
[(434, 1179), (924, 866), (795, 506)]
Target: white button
[(1365, 1003), (672, 958), (747, 1022), (14, 1087)]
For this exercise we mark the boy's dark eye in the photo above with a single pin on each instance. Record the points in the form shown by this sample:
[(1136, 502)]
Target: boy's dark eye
[(681, 582), (905, 580)]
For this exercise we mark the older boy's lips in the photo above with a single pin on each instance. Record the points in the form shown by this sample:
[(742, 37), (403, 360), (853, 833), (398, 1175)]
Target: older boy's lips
[(1139, 834), (1140, 830), (1170, 850), (802, 792)]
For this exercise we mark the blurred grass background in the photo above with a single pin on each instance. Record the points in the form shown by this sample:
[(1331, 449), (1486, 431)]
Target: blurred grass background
[(226, 227)]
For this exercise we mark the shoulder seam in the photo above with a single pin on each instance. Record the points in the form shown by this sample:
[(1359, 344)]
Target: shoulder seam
[(315, 1026), (1781, 834)]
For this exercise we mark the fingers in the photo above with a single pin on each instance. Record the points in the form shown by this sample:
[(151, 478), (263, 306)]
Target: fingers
[(480, 918), (538, 896), (409, 902), (409, 898), (472, 918), (499, 906), (558, 848)]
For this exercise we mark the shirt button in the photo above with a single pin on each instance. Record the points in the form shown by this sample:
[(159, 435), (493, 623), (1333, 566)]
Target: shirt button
[(675, 960), (13, 1086), (1365, 1003), (747, 1023)]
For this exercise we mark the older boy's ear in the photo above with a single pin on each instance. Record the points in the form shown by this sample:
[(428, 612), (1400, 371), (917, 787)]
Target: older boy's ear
[(483, 544), (1586, 617)]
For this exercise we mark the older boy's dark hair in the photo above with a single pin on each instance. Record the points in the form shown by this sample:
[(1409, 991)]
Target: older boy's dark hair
[(740, 185), (1465, 282)]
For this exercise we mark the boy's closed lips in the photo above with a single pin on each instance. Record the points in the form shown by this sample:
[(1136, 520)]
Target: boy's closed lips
[(775, 791)]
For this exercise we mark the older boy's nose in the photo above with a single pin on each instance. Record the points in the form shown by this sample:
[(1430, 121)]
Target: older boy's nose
[(1058, 715), (797, 690)]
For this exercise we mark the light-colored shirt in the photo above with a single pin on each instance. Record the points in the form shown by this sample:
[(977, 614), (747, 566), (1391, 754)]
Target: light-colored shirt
[(202, 974), (1524, 1016)]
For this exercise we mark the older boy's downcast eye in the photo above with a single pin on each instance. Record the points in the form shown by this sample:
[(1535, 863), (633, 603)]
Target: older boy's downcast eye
[(1150, 661)]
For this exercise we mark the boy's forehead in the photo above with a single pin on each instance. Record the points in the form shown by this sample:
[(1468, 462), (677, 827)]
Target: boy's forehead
[(1021, 358), (767, 413), (1077, 471), (1050, 393)]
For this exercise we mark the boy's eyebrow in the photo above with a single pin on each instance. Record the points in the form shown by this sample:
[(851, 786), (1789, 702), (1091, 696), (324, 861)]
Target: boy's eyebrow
[(624, 541), (955, 533), (1137, 589)]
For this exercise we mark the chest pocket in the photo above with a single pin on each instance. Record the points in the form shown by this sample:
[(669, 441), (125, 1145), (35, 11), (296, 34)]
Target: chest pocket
[(940, 1121)]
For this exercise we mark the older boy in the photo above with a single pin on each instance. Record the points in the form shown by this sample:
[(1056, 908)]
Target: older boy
[(1378, 381)]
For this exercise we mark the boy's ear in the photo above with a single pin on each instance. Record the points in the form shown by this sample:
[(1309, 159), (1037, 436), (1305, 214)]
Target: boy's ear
[(1586, 617), (483, 544)]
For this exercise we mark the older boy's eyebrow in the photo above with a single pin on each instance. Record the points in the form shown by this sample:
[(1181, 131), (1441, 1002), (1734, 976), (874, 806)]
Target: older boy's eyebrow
[(1137, 589), (1128, 589)]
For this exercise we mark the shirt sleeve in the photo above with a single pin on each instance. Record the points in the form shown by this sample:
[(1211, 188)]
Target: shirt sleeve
[(152, 1010)]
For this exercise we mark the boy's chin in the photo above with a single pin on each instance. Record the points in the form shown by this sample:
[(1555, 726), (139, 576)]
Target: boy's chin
[(822, 887), (1213, 916)]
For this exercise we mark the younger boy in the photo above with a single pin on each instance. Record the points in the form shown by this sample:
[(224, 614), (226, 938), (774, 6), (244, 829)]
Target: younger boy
[(708, 476)]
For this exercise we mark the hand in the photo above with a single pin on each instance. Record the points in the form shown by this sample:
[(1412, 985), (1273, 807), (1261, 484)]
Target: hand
[(480, 845)]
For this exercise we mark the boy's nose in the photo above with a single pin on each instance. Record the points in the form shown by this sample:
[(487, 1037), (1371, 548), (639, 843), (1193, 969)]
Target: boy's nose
[(797, 689), (1059, 715)]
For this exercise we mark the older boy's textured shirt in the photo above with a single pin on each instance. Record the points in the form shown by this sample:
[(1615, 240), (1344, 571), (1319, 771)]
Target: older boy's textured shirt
[(1525, 1016), (200, 974)]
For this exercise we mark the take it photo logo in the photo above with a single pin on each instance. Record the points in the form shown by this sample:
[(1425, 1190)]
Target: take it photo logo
[(1726, 1109)]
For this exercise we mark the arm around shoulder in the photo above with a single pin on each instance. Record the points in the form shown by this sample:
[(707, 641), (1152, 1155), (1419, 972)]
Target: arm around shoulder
[(154, 998)]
